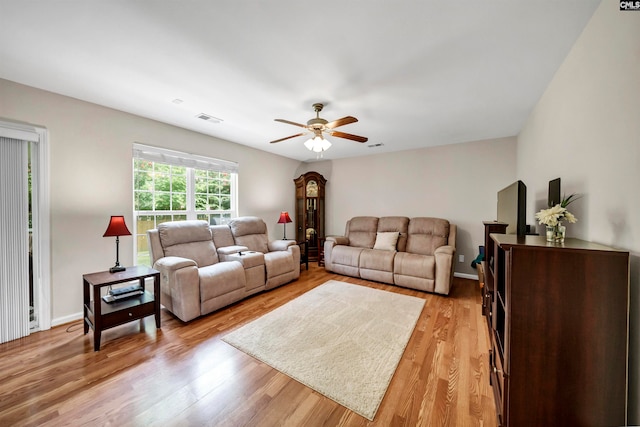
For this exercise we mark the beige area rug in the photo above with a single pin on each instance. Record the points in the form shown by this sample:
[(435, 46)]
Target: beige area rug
[(342, 340)]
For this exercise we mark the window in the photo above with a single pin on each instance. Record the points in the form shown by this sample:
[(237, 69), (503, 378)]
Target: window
[(172, 186)]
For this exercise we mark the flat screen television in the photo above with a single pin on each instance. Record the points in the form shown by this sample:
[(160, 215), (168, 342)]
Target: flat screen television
[(554, 192), (512, 203)]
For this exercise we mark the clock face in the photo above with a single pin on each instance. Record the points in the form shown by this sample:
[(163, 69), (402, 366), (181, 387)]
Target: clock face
[(312, 189)]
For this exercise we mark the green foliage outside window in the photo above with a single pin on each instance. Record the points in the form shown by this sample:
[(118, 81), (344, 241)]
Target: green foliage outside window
[(159, 187), (212, 190)]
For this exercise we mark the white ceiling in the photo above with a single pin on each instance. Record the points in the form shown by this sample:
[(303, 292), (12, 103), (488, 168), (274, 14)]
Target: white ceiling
[(415, 73)]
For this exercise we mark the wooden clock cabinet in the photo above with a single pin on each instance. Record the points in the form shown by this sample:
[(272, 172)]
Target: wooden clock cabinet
[(310, 215)]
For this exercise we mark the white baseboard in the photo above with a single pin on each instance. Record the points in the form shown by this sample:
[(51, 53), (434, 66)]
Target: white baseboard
[(66, 319), (466, 276)]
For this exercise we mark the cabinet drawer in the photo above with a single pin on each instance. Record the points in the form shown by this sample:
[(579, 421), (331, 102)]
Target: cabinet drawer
[(498, 371), (497, 379), (127, 314)]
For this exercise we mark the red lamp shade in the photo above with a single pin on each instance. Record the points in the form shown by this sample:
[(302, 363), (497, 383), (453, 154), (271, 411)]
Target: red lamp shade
[(117, 227), (284, 218)]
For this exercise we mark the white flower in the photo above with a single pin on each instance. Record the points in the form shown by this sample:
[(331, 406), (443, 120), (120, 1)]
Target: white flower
[(550, 216), (554, 215)]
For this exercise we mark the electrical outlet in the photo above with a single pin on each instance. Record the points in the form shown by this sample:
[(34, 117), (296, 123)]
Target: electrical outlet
[(460, 258)]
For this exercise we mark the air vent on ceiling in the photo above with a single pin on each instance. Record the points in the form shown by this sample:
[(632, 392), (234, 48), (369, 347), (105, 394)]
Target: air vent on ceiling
[(208, 118), (380, 144)]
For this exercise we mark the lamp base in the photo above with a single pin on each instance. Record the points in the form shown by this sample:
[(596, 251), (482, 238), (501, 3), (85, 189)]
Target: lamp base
[(117, 268)]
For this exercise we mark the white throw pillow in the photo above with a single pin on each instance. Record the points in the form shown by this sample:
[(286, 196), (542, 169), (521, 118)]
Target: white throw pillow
[(386, 240)]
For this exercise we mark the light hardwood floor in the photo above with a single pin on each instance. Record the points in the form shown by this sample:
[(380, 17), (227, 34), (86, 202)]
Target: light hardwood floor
[(184, 375)]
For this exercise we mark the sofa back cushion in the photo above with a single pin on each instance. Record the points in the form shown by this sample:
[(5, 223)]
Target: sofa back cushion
[(250, 231), (361, 231), (425, 235), (395, 223), (222, 236), (188, 239)]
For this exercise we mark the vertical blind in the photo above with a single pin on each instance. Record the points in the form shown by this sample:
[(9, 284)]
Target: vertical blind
[(14, 239)]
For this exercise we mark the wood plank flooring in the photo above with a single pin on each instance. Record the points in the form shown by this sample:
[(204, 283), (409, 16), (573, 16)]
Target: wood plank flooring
[(184, 375)]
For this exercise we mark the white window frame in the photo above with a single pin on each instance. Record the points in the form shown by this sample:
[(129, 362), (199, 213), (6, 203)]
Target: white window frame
[(191, 162)]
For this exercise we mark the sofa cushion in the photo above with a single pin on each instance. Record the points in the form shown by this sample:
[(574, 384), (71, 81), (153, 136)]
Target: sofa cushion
[(220, 279), (425, 235), (408, 264), (396, 223), (188, 239), (222, 236), (372, 259), (250, 231), (361, 231), (386, 240)]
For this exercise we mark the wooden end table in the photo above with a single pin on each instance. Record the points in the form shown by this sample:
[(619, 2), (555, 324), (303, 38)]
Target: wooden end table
[(100, 315)]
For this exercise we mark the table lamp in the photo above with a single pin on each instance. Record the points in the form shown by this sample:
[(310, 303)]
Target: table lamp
[(117, 227), (284, 219)]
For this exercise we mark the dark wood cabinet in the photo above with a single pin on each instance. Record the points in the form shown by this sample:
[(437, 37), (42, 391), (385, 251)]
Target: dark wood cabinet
[(490, 227), (559, 332), (310, 219)]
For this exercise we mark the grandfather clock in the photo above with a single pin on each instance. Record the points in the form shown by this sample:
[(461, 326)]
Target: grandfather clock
[(310, 221)]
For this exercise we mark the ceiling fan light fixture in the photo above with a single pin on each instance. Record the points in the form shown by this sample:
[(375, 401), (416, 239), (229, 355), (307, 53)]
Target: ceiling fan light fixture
[(317, 144), (325, 144), (317, 126)]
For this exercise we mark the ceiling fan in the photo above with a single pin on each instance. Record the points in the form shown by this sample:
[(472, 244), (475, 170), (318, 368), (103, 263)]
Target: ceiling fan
[(318, 126)]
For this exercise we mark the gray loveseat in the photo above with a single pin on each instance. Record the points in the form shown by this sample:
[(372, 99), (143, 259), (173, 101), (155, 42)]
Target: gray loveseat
[(416, 253), (204, 268)]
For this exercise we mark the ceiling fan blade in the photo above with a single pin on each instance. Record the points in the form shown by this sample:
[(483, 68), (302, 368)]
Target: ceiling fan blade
[(288, 137), (349, 136), (290, 123), (341, 122)]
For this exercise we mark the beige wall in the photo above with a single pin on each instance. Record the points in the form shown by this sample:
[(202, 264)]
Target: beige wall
[(457, 182), (91, 179), (586, 130)]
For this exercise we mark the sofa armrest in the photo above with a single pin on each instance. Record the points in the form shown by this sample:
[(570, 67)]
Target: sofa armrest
[(329, 243), (229, 250), (172, 263), (280, 245), (338, 240), (445, 250), (444, 268), (179, 286)]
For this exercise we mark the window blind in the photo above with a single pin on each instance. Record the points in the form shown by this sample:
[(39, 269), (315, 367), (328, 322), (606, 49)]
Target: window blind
[(177, 158), (14, 239)]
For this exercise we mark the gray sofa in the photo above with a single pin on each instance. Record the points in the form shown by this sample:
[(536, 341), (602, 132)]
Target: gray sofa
[(204, 268), (416, 253)]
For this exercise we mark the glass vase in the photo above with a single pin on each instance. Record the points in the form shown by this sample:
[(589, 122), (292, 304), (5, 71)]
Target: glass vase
[(551, 233), (556, 233)]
